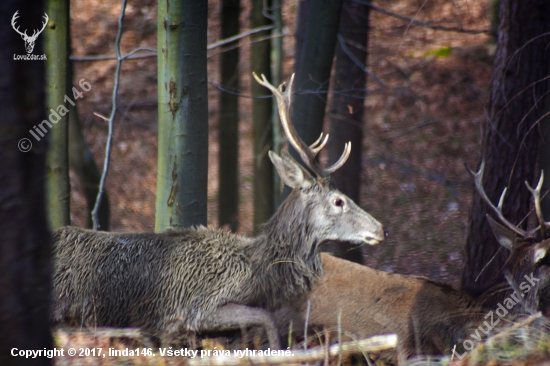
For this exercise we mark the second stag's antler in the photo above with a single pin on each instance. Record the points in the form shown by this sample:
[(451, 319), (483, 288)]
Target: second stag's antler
[(307, 153), (543, 225)]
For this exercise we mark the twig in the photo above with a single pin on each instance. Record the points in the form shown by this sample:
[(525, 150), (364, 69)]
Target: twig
[(419, 23), (297, 357), (359, 63), (250, 32), (114, 57), (95, 211), (131, 56), (410, 129)]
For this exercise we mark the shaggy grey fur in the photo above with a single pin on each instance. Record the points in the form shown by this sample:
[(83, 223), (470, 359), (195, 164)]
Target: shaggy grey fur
[(202, 279)]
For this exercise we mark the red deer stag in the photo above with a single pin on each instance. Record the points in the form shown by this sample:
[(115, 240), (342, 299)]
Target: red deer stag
[(202, 279)]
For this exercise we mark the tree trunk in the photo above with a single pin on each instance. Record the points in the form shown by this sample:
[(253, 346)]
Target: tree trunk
[(228, 196), (58, 88), (183, 115), (261, 115), (511, 136), (347, 107), (81, 161), (277, 55), (24, 239), (301, 28), (313, 70), (544, 154)]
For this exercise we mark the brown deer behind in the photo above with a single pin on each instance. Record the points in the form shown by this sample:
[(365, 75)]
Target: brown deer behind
[(202, 279), (428, 317)]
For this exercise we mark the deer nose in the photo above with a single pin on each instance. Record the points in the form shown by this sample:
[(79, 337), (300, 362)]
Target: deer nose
[(386, 233)]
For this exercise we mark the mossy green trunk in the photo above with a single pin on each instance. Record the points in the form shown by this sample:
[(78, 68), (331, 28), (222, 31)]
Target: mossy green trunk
[(57, 46), (182, 174)]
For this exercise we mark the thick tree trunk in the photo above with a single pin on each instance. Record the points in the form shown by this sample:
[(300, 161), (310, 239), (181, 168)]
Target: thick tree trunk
[(277, 56), (301, 28), (58, 88), (347, 107), (261, 115), (183, 115), (511, 135), (544, 153), (24, 239), (313, 70), (228, 196)]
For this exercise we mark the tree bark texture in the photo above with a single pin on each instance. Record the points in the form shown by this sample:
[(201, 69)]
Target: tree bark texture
[(58, 88), (261, 115), (313, 69), (24, 238), (349, 89), (183, 115), (228, 196), (511, 134)]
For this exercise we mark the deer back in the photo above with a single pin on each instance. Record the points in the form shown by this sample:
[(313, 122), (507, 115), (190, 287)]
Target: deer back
[(427, 316)]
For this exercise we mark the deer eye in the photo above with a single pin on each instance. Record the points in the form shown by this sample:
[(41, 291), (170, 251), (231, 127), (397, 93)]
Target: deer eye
[(338, 202)]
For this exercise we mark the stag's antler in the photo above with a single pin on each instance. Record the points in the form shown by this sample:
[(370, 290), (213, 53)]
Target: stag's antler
[(544, 225), (307, 153), (478, 179)]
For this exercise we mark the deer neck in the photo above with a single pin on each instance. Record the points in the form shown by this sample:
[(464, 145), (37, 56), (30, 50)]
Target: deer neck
[(285, 256)]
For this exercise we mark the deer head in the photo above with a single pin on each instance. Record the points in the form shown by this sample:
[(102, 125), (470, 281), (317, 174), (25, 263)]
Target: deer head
[(29, 40), (528, 248), (332, 215)]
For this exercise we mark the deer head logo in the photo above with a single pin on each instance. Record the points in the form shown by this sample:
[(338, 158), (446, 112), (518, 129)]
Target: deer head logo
[(29, 40)]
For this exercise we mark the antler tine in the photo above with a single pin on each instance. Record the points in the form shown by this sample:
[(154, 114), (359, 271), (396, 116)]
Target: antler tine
[(536, 195), (283, 103), (478, 180), (342, 160), (319, 144)]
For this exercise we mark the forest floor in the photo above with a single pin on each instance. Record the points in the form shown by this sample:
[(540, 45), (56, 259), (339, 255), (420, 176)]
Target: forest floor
[(422, 123)]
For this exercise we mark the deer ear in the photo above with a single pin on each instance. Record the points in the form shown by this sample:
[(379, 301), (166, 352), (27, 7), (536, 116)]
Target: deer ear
[(290, 171), (507, 238)]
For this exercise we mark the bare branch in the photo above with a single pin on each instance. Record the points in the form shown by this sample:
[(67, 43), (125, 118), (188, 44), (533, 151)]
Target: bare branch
[(131, 56), (359, 63), (419, 23), (95, 211), (250, 32)]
